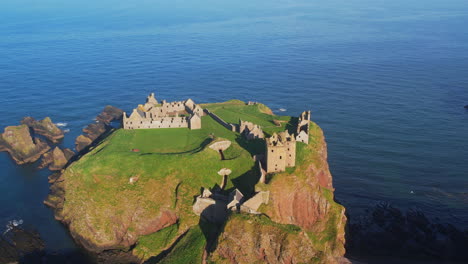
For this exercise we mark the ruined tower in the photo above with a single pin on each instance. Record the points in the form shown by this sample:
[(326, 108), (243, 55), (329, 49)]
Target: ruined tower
[(280, 152)]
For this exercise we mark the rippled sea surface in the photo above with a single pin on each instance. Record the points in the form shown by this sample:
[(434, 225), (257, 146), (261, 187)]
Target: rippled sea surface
[(386, 81)]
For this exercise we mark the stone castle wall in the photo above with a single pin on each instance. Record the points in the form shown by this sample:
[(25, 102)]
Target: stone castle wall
[(221, 121), (165, 115)]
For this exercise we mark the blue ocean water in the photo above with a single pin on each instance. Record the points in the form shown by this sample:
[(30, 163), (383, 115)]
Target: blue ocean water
[(387, 81)]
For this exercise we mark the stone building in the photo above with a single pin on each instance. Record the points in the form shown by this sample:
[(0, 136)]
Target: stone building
[(303, 127), (250, 130), (280, 152), (164, 115)]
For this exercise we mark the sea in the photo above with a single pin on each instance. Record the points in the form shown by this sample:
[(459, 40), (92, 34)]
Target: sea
[(386, 80)]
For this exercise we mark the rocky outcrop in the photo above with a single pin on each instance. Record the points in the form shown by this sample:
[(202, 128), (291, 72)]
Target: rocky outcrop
[(18, 243), (95, 130), (56, 159), (23, 148), (45, 128), (256, 239), (82, 142), (109, 114)]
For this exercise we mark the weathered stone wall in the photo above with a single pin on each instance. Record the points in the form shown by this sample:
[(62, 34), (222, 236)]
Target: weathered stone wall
[(164, 122), (221, 121), (166, 115)]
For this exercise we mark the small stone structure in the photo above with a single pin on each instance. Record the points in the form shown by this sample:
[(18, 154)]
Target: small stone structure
[(220, 145), (235, 199), (253, 204), (164, 115), (250, 130), (303, 127), (280, 152)]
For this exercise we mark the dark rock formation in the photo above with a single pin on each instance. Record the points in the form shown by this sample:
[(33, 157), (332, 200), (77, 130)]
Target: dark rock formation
[(95, 130), (56, 159), (466, 106), (109, 114), (45, 128), (17, 243), (388, 232), (23, 148)]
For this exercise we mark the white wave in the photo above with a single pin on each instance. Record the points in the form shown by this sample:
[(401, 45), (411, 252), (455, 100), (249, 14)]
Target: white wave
[(282, 109), (11, 224), (66, 130), (61, 124)]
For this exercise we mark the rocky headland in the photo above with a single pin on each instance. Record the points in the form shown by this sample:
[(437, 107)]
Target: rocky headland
[(115, 200)]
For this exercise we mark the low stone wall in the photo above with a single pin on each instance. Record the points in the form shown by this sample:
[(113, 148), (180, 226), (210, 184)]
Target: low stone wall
[(221, 121), (165, 122)]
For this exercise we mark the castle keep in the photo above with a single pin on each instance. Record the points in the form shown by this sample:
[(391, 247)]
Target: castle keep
[(280, 152), (164, 115)]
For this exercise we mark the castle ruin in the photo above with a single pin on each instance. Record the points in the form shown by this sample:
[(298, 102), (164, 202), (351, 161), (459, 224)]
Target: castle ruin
[(303, 127), (164, 115), (280, 152), (250, 130)]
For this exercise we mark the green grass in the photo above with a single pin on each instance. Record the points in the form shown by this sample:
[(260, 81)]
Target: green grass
[(153, 244), (189, 249), (232, 112)]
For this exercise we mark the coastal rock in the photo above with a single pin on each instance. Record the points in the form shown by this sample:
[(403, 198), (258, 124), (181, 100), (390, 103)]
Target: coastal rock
[(56, 159), (82, 142), (18, 243), (109, 114), (45, 128), (95, 130), (23, 148), (466, 106)]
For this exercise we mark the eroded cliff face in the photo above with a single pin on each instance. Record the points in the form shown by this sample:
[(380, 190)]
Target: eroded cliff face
[(117, 225), (302, 198), (255, 239)]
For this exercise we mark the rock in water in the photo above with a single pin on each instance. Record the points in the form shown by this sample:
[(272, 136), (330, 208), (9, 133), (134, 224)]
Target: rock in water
[(23, 148), (109, 114), (18, 243), (95, 130), (82, 142), (466, 106), (56, 159), (45, 128)]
